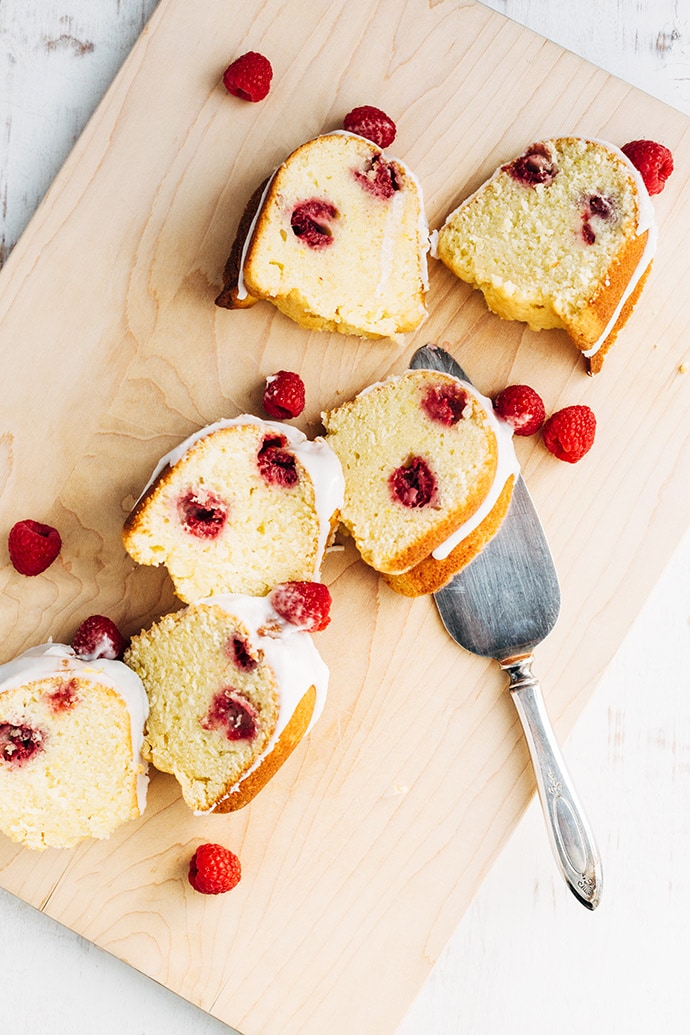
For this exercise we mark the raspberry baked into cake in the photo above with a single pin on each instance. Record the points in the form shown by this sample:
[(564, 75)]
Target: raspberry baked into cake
[(71, 734), (562, 236), (336, 239), (233, 686), (429, 471), (238, 507)]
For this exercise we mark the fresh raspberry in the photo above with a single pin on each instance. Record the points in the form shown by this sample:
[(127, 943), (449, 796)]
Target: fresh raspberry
[(310, 221), (232, 713), (284, 395), (98, 637), (20, 743), (371, 123), (202, 514), (445, 403), (413, 484), (653, 161), (249, 77), (277, 465), (378, 178), (521, 407), (569, 433), (33, 546), (214, 870), (306, 605)]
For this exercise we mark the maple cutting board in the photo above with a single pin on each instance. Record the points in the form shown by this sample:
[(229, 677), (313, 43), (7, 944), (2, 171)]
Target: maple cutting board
[(361, 856)]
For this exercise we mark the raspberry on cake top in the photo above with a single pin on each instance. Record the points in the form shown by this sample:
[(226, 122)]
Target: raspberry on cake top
[(336, 239), (563, 236)]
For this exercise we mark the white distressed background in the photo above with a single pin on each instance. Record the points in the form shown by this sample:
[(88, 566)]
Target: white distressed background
[(526, 958)]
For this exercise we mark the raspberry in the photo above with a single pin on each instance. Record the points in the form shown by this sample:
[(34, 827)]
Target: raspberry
[(276, 465), (310, 222), (232, 713), (33, 546), (378, 178), (569, 433), (98, 637), (413, 484), (241, 653), (653, 161), (249, 77), (202, 514), (521, 407), (214, 870), (445, 403), (284, 395), (536, 165), (371, 123), (306, 605), (64, 698), (19, 743)]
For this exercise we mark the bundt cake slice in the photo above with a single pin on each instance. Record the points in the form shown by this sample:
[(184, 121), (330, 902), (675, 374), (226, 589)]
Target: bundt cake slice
[(238, 507), (232, 688), (70, 747), (337, 240), (425, 459), (562, 236)]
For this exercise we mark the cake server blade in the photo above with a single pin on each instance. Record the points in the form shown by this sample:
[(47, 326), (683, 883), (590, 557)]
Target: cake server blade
[(501, 606)]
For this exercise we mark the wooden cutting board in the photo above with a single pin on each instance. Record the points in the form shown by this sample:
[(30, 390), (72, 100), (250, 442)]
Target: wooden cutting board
[(361, 856)]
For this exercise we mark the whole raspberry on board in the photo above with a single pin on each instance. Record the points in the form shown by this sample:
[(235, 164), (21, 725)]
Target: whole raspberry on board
[(284, 395), (249, 77), (371, 123), (569, 433), (33, 546), (98, 637), (521, 407), (653, 161), (306, 605), (214, 870)]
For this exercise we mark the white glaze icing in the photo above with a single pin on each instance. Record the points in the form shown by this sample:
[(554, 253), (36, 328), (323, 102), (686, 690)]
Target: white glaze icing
[(317, 457), (47, 660), (292, 656), (386, 260), (645, 222), (506, 466)]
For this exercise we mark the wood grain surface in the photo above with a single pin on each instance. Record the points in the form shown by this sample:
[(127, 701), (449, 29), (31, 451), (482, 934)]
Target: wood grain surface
[(109, 291)]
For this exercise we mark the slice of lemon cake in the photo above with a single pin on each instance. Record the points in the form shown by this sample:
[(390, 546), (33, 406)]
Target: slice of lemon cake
[(426, 462), (336, 239), (233, 688), (562, 236), (238, 507), (71, 734)]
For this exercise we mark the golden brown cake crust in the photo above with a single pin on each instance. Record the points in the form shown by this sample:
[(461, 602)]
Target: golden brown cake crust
[(596, 362), (431, 574), (285, 745), (228, 297)]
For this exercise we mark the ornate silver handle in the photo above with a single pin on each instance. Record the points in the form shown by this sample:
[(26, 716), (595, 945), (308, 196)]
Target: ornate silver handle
[(569, 834)]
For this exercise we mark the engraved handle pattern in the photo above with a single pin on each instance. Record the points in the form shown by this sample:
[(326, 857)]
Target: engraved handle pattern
[(569, 834)]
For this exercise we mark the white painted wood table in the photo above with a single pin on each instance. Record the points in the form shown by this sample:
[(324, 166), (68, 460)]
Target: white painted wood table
[(521, 961)]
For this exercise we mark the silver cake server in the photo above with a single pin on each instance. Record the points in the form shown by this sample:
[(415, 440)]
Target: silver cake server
[(501, 606)]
